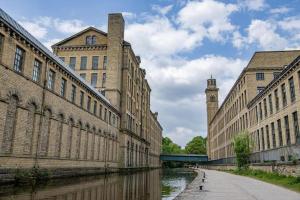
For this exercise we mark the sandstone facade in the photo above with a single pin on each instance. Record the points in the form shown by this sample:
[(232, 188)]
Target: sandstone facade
[(52, 118), (266, 91)]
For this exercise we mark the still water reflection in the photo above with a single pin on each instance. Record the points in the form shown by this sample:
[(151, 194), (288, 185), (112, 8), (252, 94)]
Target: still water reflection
[(150, 185)]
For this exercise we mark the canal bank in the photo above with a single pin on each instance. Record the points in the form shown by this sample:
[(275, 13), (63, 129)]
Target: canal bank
[(225, 186)]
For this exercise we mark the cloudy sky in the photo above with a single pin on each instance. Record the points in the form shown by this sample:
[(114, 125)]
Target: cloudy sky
[(181, 43)]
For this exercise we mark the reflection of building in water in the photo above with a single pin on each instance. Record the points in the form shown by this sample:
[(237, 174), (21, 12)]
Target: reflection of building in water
[(53, 116), (127, 187)]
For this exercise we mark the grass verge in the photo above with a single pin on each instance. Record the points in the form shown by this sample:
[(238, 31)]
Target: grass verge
[(289, 182)]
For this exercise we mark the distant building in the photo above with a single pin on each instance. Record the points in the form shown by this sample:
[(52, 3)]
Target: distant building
[(265, 102), (52, 116)]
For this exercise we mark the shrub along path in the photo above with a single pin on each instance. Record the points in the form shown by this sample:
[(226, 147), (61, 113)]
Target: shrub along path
[(226, 186)]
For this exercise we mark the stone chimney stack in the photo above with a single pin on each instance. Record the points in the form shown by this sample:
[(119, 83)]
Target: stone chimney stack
[(115, 38)]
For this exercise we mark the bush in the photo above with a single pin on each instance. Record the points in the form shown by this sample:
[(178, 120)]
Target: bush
[(242, 150)]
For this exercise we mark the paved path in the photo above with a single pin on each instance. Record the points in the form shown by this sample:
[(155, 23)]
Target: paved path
[(225, 186)]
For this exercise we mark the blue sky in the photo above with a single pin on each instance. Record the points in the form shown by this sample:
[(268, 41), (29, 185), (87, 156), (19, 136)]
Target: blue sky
[(181, 43)]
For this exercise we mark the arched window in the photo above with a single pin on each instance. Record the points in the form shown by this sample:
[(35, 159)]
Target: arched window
[(212, 98), (58, 136), (78, 141), (70, 138), (128, 153), (93, 40), (44, 134), (86, 141), (93, 143), (10, 124), (88, 40), (30, 125)]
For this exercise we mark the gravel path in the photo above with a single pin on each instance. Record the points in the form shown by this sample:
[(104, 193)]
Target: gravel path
[(225, 186)]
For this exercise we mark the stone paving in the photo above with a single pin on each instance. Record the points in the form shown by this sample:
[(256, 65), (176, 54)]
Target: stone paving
[(224, 186)]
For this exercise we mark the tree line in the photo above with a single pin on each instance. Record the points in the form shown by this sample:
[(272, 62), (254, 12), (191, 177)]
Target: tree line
[(196, 146)]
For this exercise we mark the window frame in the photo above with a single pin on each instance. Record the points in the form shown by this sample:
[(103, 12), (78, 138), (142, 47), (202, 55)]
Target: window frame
[(36, 71), (19, 59)]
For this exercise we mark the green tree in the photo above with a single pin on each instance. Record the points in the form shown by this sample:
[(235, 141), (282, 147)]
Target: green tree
[(242, 149), (169, 147), (196, 146)]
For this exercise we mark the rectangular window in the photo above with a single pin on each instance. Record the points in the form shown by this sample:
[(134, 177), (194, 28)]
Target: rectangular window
[(62, 59), (270, 104), (273, 134), (51, 78), (19, 59), (105, 114), (260, 89), (276, 100), (63, 85), (83, 75), (36, 73), (279, 132), (88, 106), (296, 127), (95, 107), (283, 93), (265, 108), (95, 60), (258, 140), (94, 77), (287, 130), (109, 117), (260, 76), (73, 94), (104, 62), (100, 111), (268, 137), (292, 89), (83, 62), (1, 45), (103, 79), (72, 62), (260, 111), (262, 139), (81, 98)]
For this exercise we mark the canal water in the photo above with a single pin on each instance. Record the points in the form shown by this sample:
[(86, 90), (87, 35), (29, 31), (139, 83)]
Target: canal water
[(149, 185)]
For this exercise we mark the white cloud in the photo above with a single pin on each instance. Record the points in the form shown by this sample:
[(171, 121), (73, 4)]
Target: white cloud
[(158, 36), (290, 23), (256, 5), (280, 10), (68, 26), (50, 42), (208, 18), (182, 135), (38, 27), (129, 15), (162, 10), (35, 29), (264, 34)]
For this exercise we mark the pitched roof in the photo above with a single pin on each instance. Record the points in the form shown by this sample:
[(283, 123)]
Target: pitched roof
[(9, 21), (78, 34), (82, 32)]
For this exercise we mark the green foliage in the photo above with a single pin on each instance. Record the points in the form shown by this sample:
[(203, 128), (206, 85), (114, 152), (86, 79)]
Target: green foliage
[(290, 182), (32, 175), (169, 147), (242, 149), (196, 146)]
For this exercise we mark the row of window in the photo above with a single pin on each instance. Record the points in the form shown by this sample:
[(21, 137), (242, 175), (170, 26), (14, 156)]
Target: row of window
[(36, 76), (265, 137), (268, 109), (261, 76), (94, 78), (83, 62)]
